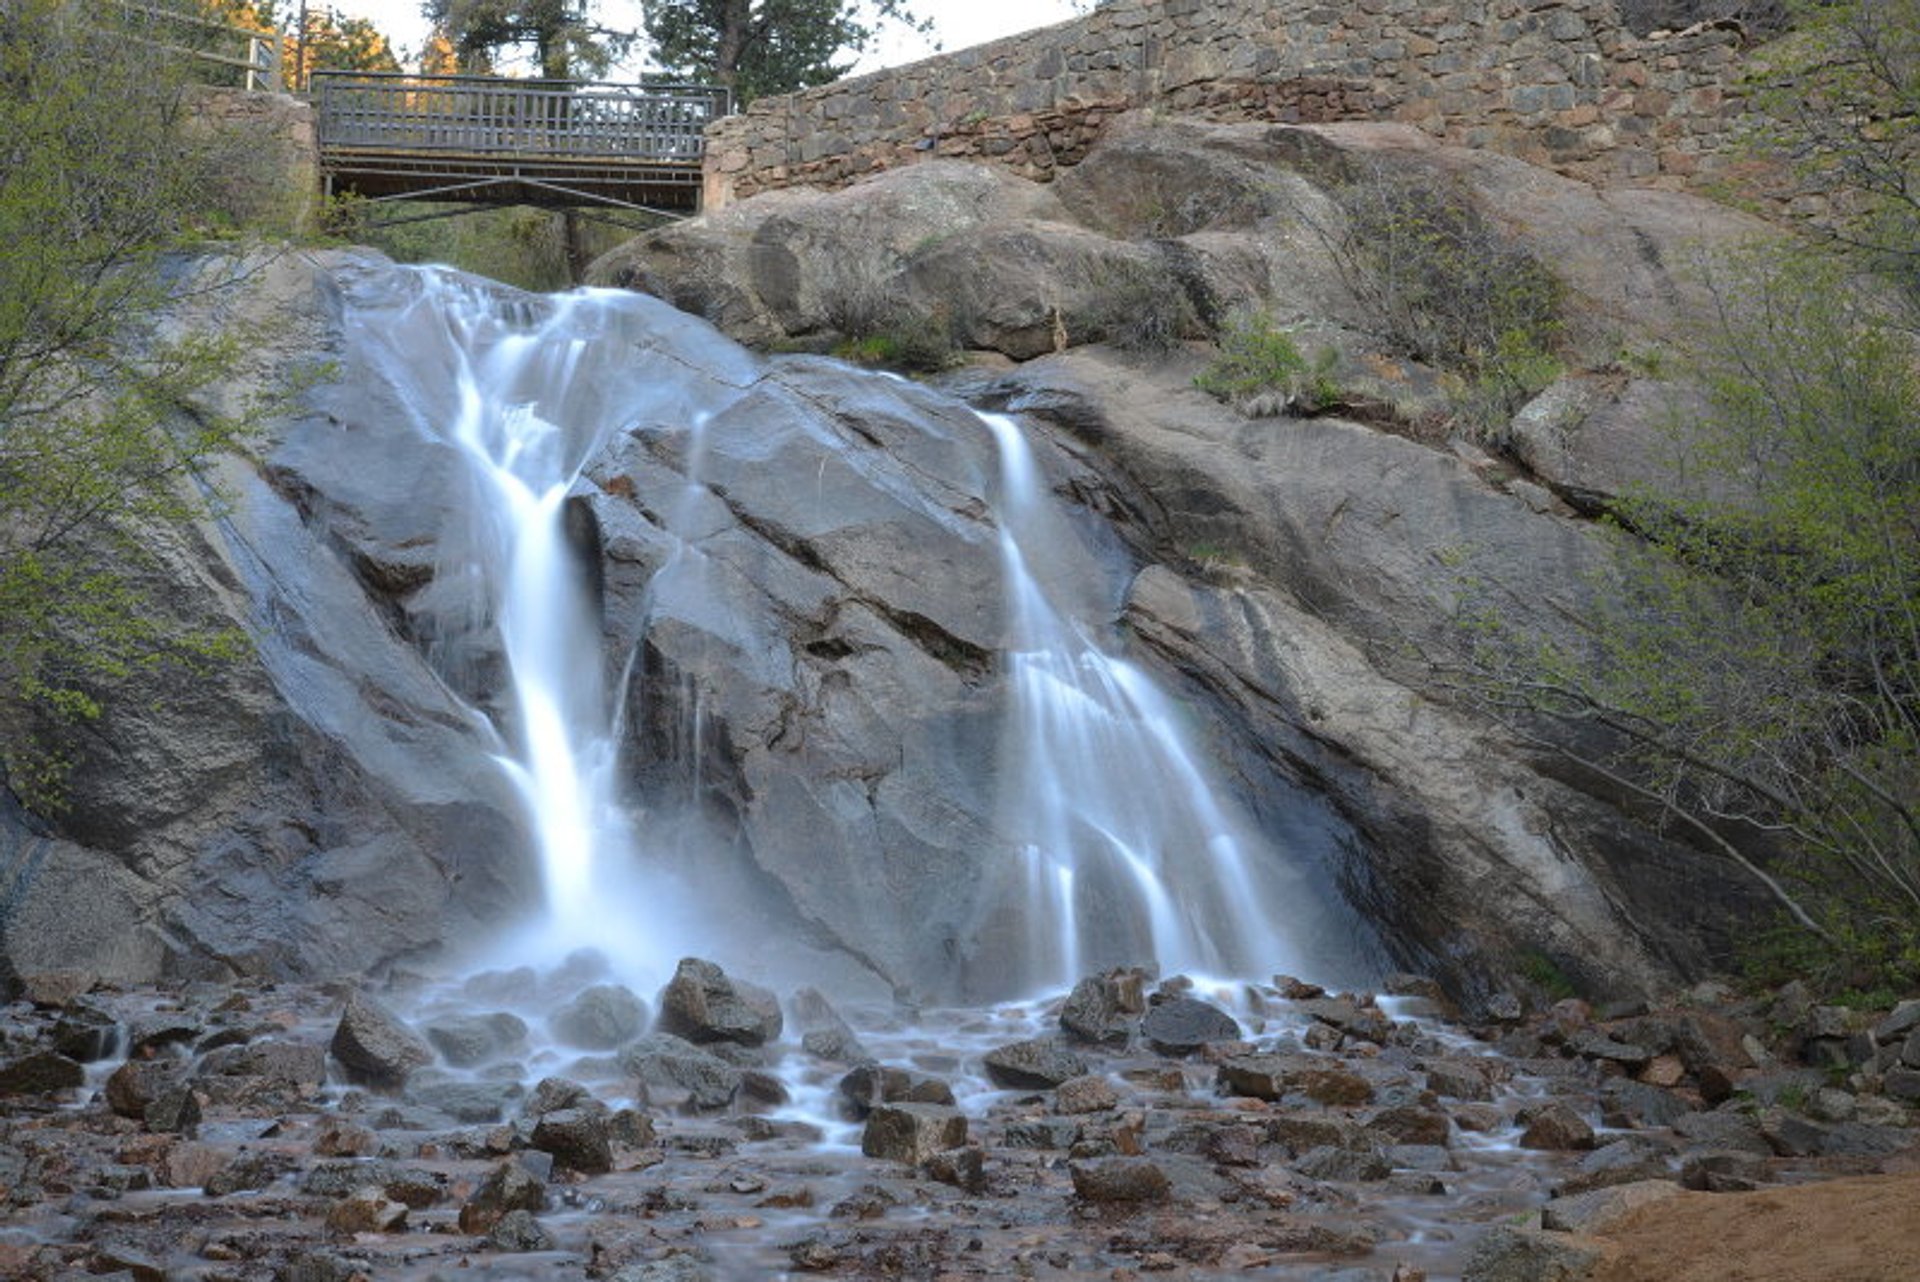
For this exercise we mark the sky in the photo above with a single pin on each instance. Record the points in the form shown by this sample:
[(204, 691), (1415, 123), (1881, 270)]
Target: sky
[(957, 24)]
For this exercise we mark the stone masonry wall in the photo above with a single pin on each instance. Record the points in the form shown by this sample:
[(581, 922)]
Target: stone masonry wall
[(1559, 82)]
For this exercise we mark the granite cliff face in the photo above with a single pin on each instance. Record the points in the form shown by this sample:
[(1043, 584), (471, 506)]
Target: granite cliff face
[(815, 718)]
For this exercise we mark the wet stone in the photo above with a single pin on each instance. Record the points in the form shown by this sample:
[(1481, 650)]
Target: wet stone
[(912, 1133), (1182, 1025), (1458, 1079), (1353, 1019), (1039, 1064), (466, 1041), (508, 1187), (1085, 1095), (604, 1017), (1119, 1180), (367, 1211), (1725, 1171), (40, 1073), (1555, 1126), (703, 1004), (519, 1232), (676, 1066), (375, 1046), (1106, 1009), (133, 1086), (964, 1168), (577, 1138), (1344, 1165), (873, 1084), (85, 1034), (1041, 1133)]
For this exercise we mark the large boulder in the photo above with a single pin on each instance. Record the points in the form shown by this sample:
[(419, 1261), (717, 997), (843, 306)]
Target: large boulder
[(702, 1003)]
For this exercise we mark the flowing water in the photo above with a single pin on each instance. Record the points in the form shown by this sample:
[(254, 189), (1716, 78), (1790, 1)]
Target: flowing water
[(1125, 850)]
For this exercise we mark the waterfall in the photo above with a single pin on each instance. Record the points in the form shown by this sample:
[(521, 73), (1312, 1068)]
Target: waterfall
[(1128, 853), (525, 391)]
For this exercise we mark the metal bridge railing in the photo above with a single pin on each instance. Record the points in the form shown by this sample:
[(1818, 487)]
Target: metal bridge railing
[(487, 116)]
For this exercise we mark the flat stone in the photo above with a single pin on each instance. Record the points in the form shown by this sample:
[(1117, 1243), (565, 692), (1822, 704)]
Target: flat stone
[(1119, 1180), (1591, 1212), (1039, 1064), (40, 1073), (1185, 1024)]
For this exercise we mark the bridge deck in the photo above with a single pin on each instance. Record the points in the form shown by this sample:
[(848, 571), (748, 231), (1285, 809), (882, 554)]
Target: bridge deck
[(537, 142)]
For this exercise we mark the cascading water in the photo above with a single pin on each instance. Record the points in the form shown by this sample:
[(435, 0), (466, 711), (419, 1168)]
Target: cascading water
[(526, 390), (1128, 852)]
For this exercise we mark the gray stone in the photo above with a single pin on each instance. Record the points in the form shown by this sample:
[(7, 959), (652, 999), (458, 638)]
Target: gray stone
[(874, 1084), (40, 1073), (1509, 1254), (1902, 1020), (1555, 1126), (703, 1004), (664, 1063), (518, 1231), (375, 1046), (508, 1187), (603, 1018), (1106, 1009), (1109, 1180), (1040, 1064), (1183, 1025), (1345, 1165), (1592, 1212), (912, 1133), (465, 1041), (578, 1138)]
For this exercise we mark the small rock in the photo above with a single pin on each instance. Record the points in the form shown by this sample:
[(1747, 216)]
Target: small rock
[(1410, 1124), (138, 1082), (602, 1018), (1344, 1165), (702, 1004), (964, 1168), (912, 1133), (85, 1033), (374, 1046), (1119, 1180), (1459, 1079), (1039, 1064), (1509, 1254), (367, 1211), (518, 1231), (466, 1041), (509, 1187), (1556, 1127), (1085, 1095), (1902, 1021), (1725, 1171), (874, 1084), (668, 1062), (175, 1111), (1591, 1212), (1351, 1018), (40, 1073), (577, 1138), (1106, 1009), (1185, 1024)]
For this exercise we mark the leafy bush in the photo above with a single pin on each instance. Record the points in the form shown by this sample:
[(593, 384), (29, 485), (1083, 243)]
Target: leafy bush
[(1444, 285), (1753, 665), (1260, 369)]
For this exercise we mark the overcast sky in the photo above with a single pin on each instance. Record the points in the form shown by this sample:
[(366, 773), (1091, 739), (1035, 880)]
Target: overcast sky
[(957, 24)]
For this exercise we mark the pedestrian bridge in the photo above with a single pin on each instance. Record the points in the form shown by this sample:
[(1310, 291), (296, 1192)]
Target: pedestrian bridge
[(492, 140)]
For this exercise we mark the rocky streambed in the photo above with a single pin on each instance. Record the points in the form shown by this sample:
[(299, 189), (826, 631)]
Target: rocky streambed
[(555, 1124)]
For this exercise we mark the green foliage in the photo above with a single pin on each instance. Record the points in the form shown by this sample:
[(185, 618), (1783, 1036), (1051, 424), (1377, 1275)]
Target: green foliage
[(1842, 95), (94, 443), (1449, 289), (768, 47), (560, 36), (1261, 369), (1545, 974), (1755, 661)]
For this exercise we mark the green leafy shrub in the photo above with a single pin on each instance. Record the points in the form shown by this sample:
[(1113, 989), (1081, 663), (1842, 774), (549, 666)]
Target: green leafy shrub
[(1261, 369), (1444, 285), (1750, 669)]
